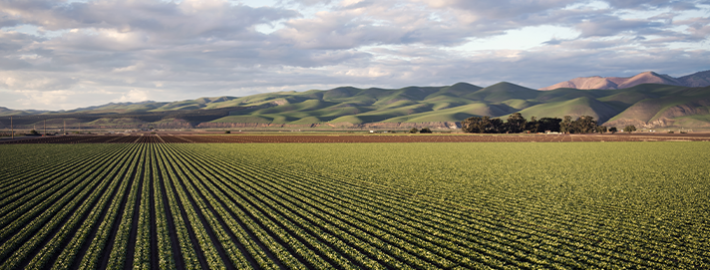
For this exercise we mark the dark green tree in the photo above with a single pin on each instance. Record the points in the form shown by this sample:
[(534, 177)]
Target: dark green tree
[(516, 123), (475, 124), (566, 125), (601, 129), (413, 130), (425, 130), (585, 124), (485, 124), (630, 128), (469, 125), (533, 125), (551, 124), (495, 125), (613, 130)]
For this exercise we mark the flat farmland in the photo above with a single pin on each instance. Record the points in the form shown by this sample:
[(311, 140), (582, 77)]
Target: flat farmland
[(499, 205), (347, 138)]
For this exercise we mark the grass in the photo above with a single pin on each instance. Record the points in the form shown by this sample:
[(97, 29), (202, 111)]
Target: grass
[(449, 114), (460, 101), (575, 108), (114, 122)]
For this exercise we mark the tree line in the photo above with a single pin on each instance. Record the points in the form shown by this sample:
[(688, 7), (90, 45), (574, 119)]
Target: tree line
[(516, 123)]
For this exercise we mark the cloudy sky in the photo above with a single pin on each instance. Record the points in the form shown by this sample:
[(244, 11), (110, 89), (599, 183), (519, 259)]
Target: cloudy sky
[(68, 54)]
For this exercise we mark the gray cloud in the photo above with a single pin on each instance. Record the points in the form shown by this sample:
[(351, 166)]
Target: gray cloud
[(188, 18), (308, 2), (503, 9), (645, 4), (101, 51), (611, 26)]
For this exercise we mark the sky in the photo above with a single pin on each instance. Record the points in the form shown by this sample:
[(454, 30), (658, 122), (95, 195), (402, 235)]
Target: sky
[(61, 55)]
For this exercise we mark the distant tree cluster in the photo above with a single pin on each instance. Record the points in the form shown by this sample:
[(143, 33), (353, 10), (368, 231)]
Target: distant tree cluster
[(516, 123), (629, 128), (424, 130)]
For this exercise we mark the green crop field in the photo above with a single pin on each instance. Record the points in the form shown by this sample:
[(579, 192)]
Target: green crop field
[(356, 206)]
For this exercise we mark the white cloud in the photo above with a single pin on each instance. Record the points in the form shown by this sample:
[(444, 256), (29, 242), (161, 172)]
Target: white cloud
[(134, 95), (41, 100), (82, 53), (18, 80)]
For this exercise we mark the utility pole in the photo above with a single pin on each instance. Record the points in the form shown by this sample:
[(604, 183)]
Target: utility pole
[(65, 127), (12, 129), (45, 128)]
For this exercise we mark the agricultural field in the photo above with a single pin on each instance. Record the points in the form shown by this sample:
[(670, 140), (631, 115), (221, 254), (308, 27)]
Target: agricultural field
[(356, 138), (150, 205)]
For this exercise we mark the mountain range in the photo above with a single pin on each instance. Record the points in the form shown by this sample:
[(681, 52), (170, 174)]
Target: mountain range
[(644, 105), (699, 79)]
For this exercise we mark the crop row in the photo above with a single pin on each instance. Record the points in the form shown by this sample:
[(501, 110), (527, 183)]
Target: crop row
[(629, 250), (43, 235), (191, 206), (414, 234)]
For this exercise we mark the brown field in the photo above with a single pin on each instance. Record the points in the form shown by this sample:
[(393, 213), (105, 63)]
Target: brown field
[(333, 138)]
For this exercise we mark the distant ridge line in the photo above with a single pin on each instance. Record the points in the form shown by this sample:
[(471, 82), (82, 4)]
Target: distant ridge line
[(698, 79)]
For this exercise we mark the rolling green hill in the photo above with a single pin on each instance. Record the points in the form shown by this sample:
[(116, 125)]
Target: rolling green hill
[(646, 105), (575, 107)]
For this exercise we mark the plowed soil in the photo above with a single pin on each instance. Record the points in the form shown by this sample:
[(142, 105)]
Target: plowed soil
[(409, 138)]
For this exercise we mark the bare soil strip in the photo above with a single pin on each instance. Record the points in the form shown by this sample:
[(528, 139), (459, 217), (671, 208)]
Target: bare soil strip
[(190, 231), (326, 193), (70, 189), (84, 199), (105, 256), (130, 250), (203, 220), (59, 179), (92, 233), (154, 256), (263, 227), (85, 246), (172, 231), (251, 235), (412, 138), (221, 221)]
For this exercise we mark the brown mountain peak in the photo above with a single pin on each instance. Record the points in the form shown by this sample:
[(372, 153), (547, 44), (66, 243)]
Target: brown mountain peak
[(610, 83)]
